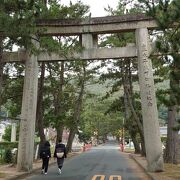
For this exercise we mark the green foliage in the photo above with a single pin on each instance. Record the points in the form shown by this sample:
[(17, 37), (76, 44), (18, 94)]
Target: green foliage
[(177, 128), (95, 119), (164, 140), (84, 137), (163, 114), (7, 134), (124, 76), (59, 11), (13, 89), (17, 21), (8, 145)]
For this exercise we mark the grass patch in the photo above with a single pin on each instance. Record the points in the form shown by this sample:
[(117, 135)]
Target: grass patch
[(2, 175), (172, 170), (1, 161), (128, 150)]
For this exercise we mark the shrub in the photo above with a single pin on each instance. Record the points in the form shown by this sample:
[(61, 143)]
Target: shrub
[(8, 158), (163, 140), (8, 145)]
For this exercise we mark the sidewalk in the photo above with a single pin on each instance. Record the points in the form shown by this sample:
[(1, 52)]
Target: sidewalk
[(9, 172), (171, 171)]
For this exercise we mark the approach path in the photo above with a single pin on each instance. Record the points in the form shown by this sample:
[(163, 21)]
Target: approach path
[(104, 160)]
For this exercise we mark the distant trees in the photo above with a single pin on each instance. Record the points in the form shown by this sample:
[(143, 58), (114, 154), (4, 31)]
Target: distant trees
[(97, 121), (122, 72), (7, 134)]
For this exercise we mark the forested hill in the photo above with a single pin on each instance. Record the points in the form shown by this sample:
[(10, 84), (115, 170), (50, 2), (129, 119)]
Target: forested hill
[(100, 89)]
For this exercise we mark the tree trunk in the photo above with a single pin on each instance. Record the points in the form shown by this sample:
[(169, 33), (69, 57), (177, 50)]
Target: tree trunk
[(60, 109), (59, 105), (143, 147), (136, 143), (77, 110), (136, 118), (129, 107), (40, 111), (58, 100), (171, 152), (172, 137), (70, 140), (140, 127), (59, 131), (128, 94)]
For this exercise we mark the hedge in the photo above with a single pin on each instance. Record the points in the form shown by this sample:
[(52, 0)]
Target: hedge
[(8, 145)]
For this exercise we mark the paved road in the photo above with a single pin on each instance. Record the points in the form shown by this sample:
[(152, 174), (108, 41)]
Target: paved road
[(104, 160)]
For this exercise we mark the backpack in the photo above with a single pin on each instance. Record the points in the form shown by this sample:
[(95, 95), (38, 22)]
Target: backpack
[(44, 153), (59, 152)]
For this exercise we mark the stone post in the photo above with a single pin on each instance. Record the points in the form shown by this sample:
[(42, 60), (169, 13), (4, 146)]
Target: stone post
[(148, 103), (95, 40), (89, 41), (28, 115), (13, 132)]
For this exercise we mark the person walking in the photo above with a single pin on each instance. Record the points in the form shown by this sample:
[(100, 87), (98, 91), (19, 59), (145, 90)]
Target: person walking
[(45, 154), (60, 154)]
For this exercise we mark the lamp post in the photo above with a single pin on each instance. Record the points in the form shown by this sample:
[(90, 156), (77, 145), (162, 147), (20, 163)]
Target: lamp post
[(123, 138)]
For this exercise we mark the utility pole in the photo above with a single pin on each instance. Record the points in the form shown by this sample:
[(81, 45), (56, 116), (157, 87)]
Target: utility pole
[(123, 137)]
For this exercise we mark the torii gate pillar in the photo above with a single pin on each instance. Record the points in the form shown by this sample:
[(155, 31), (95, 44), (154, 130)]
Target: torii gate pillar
[(148, 103), (28, 116)]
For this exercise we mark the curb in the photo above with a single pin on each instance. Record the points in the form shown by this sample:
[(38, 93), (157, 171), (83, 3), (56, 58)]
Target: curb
[(144, 169)]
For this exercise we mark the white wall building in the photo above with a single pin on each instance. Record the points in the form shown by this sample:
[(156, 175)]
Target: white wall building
[(163, 131)]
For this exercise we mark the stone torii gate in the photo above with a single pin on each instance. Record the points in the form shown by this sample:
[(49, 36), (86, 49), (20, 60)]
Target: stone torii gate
[(88, 30)]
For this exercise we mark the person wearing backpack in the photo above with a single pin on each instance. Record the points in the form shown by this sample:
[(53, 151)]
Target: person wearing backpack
[(60, 154), (45, 154)]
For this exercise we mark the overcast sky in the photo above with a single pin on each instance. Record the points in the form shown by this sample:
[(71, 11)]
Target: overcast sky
[(96, 6)]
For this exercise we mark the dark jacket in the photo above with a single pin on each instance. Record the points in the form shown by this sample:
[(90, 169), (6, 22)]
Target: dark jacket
[(63, 149), (45, 151)]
